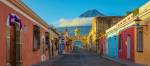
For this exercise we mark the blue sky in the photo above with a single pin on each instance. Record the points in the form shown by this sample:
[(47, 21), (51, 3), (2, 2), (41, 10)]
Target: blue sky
[(52, 11)]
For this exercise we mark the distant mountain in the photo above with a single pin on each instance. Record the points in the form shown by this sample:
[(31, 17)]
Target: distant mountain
[(84, 30), (91, 13)]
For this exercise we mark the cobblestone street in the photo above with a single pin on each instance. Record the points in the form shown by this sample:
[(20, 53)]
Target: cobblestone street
[(75, 33), (83, 58)]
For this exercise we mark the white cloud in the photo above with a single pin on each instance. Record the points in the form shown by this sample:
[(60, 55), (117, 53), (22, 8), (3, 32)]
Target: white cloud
[(75, 22)]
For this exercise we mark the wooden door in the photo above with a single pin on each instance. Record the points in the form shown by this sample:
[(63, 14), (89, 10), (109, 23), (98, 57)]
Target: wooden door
[(13, 45)]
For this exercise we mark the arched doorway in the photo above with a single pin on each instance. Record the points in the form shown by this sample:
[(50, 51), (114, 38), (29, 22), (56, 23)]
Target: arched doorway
[(77, 44), (13, 45), (43, 51), (128, 47), (14, 40)]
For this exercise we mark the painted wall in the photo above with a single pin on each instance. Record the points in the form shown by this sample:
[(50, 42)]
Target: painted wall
[(102, 45), (112, 46), (123, 41), (28, 55), (2, 36), (144, 57)]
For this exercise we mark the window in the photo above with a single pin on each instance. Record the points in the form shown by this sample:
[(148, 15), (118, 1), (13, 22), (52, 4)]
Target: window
[(139, 40), (47, 39), (36, 37)]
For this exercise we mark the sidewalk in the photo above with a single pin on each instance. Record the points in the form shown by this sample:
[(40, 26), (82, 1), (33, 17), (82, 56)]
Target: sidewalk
[(48, 62), (125, 62)]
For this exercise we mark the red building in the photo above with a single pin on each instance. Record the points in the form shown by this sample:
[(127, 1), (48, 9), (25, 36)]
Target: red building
[(22, 35), (126, 44), (102, 45)]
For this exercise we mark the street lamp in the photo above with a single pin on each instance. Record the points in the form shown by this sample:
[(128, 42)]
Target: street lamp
[(138, 20), (137, 24)]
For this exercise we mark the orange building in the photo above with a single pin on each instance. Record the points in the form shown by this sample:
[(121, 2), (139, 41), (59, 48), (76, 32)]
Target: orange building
[(22, 35), (142, 50)]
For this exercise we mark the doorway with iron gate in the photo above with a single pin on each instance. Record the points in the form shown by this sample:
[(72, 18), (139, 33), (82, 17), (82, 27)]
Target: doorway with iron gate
[(13, 45)]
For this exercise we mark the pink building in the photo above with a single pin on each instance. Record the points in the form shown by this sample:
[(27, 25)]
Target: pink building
[(22, 35)]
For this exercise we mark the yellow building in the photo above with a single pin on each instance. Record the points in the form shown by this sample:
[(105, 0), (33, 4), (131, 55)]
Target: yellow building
[(91, 38), (142, 51), (54, 41), (99, 25)]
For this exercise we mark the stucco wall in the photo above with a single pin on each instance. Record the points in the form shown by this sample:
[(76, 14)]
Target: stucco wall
[(144, 57), (112, 46), (28, 55), (123, 38), (2, 35)]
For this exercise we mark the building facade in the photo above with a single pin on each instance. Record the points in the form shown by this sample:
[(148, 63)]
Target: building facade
[(142, 54), (54, 42), (120, 37), (99, 25), (23, 35), (133, 36), (102, 44), (126, 43)]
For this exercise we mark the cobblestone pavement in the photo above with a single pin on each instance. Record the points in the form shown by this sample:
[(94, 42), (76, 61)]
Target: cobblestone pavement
[(83, 58)]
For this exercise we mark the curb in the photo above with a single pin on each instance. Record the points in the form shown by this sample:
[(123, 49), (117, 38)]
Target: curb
[(114, 60), (123, 62), (48, 62)]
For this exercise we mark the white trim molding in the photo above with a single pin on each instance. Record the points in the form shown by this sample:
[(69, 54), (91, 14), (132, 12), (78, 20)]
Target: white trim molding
[(22, 13)]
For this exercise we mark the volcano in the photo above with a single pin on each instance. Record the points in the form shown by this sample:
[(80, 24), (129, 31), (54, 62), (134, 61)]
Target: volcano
[(91, 13)]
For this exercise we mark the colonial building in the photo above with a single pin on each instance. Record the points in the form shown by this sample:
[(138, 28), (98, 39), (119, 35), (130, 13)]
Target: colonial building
[(54, 42), (23, 35), (142, 42), (113, 41), (129, 38), (99, 25)]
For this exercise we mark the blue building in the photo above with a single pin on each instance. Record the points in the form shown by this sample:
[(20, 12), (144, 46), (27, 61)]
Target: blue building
[(112, 43)]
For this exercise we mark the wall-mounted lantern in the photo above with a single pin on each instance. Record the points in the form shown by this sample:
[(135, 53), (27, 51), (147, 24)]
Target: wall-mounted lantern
[(138, 20)]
